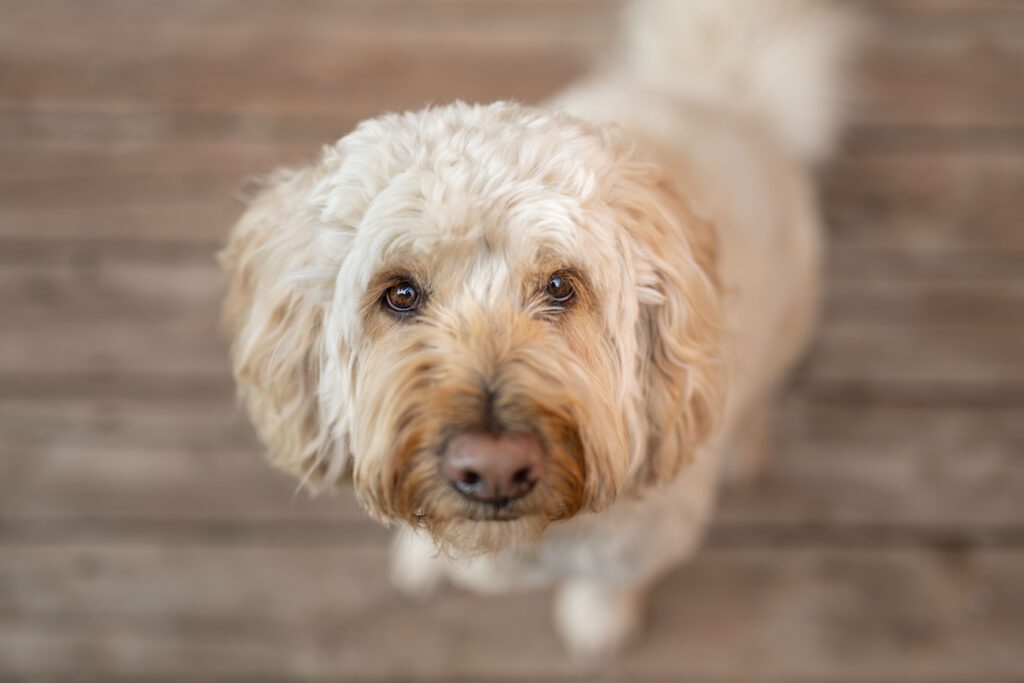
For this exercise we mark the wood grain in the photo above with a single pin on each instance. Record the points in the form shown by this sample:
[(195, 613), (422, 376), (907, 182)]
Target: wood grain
[(142, 538), (185, 611), (946, 67)]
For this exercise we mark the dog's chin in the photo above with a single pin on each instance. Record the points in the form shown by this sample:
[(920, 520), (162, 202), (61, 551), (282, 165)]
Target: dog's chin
[(460, 526), (468, 527), (478, 535), (494, 513)]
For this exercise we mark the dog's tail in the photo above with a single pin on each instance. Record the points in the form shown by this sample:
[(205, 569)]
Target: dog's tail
[(781, 60)]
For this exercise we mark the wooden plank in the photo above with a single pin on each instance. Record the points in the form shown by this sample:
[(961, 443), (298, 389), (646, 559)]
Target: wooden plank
[(152, 459), (912, 466), (942, 67), (117, 318), (178, 190), (205, 222), (176, 464), (954, 65), (522, 18), (114, 131), (925, 201), (296, 63), (908, 354), (184, 611), (991, 304), (91, 168)]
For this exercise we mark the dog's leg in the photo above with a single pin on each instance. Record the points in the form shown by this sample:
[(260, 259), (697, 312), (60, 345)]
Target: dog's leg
[(416, 566), (596, 618), (595, 614)]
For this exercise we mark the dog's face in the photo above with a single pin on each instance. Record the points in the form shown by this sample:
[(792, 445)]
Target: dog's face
[(493, 317)]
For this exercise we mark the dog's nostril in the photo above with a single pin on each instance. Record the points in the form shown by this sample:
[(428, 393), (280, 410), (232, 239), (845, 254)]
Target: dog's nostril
[(523, 475), (469, 482)]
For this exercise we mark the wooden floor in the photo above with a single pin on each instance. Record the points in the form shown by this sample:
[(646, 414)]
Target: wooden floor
[(142, 538)]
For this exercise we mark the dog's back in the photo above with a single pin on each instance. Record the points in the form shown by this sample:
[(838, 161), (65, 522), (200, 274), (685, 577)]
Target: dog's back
[(740, 98), (780, 61)]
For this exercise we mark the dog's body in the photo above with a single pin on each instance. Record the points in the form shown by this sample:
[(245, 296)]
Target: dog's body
[(709, 156)]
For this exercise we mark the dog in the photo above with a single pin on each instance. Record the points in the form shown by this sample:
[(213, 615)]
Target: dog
[(535, 338)]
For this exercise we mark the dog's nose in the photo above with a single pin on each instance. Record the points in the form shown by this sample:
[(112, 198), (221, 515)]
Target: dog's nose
[(493, 469)]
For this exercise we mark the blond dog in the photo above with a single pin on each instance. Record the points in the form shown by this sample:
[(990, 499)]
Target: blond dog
[(532, 336)]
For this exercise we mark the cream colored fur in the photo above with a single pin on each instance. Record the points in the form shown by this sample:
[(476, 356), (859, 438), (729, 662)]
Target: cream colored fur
[(671, 184)]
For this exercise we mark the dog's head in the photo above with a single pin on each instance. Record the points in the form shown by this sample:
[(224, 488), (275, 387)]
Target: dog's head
[(493, 318)]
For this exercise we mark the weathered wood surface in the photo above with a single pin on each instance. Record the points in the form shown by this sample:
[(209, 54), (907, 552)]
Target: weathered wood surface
[(179, 611), (957, 66), (141, 536)]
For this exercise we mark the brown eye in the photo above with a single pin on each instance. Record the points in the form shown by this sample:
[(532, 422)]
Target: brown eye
[(560, 289), (403, 297)]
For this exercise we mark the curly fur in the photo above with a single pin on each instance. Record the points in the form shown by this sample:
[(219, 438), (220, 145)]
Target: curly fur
[(688, 228)]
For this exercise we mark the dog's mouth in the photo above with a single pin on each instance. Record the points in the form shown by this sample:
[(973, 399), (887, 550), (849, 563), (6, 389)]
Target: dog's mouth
[(496, 511)]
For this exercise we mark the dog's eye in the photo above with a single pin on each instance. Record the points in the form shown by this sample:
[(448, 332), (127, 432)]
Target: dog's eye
[(559, 289), (403, 297)]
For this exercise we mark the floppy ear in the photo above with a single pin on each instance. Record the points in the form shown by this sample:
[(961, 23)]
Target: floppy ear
[(275, 322), (681, 333)]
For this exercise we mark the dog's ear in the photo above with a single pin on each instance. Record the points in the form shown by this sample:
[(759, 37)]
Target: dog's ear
[(681, 332), (275, 321)]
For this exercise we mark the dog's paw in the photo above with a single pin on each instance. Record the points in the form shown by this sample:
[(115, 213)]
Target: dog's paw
[(416, 569), (595, 620)]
